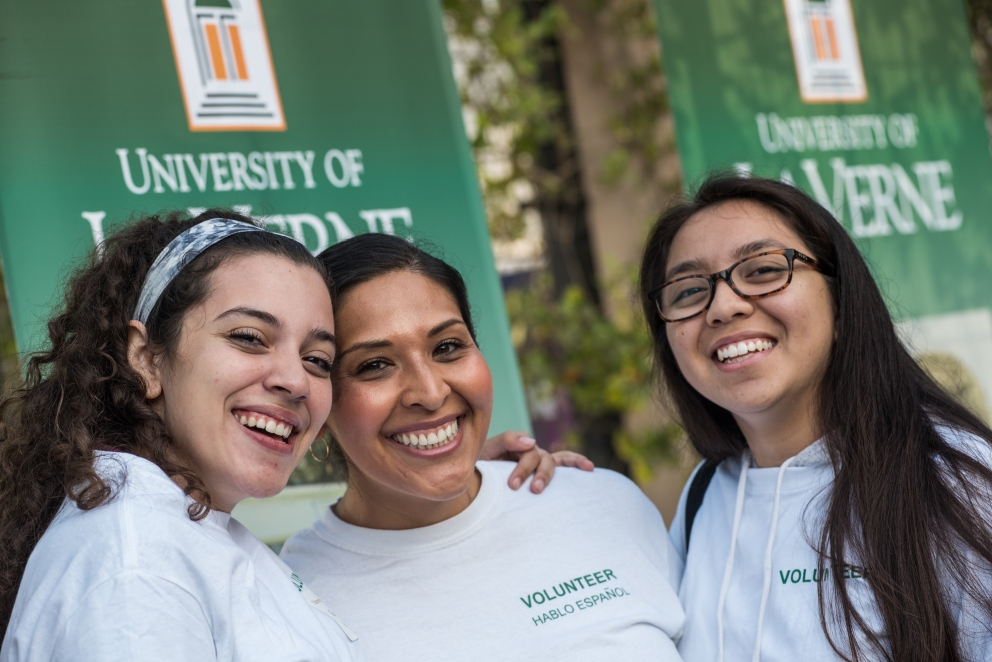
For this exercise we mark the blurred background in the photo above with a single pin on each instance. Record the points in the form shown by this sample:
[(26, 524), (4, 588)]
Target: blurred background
[(569, 112)]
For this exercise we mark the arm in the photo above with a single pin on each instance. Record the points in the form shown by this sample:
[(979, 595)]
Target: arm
[(520, 447)]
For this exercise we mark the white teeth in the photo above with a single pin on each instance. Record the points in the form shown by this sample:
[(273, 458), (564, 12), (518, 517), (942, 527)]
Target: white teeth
[(244, 420), (432, 439), (251, 421), (741, 350)]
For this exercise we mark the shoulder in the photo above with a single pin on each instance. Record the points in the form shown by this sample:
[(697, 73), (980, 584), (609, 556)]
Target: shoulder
[(968, 443), (570, 486)]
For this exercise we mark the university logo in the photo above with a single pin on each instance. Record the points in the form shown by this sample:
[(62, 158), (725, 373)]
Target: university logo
[(825, 49), (224, 64)]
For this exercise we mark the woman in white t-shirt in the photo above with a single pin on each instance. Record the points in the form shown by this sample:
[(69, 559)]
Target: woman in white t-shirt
[(430, 554), (172, 388), (843, 509)]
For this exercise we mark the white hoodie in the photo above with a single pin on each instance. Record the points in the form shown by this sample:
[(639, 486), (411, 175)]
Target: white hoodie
[(750, 584)]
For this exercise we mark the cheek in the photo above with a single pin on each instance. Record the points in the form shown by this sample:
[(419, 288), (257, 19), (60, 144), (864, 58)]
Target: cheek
[(357, 415)]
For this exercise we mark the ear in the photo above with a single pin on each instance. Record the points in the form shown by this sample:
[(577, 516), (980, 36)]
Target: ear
[(142, 360)]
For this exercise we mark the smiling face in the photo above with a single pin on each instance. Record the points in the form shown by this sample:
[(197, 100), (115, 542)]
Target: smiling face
[(249, 387), (761, 359), (413, 399)]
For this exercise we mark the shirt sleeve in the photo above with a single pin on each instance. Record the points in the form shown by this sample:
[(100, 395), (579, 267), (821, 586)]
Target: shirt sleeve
[(135, 616)]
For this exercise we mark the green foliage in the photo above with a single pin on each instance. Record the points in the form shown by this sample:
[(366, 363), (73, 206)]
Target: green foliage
[(603, 365), (510, 115)]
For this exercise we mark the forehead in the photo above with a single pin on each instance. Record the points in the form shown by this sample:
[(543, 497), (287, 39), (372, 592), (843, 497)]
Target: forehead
[(714, 235), (394, 304), (292, 292)]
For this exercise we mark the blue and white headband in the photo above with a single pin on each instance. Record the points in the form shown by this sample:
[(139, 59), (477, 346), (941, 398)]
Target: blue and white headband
[(181, 251)]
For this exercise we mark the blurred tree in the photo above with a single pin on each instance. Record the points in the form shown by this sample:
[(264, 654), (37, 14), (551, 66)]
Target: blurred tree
[(604, 365), (980, 21)]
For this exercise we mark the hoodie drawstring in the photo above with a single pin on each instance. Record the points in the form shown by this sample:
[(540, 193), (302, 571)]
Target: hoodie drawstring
[(729, 570), (766, 588)]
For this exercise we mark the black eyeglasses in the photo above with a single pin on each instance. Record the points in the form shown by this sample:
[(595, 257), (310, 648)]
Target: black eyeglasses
[(752, 278)]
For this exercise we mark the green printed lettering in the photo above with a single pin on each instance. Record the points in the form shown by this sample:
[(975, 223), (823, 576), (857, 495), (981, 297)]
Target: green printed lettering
[(537, 620), (796, 574), (589, 580), (545, 591), (570, 586), (563, 591), (855, 574), (600, 577), (536, 596), (526, 601), (579, 579), (783, 575), (609, 573), (805, 581)]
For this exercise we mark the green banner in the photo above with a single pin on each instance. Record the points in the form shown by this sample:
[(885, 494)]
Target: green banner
[(327, 119), (872, 107)]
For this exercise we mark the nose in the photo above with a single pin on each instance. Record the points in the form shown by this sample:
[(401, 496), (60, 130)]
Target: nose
[(425, 386), (288, 376), (727, 305)]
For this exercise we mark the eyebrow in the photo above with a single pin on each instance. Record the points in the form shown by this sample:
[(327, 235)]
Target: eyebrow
[(696, 265), (444, 325), (316, 334), (260, 315), (379, 344)]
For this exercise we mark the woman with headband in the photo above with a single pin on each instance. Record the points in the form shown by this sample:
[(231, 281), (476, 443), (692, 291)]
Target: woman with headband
[(173, 387)]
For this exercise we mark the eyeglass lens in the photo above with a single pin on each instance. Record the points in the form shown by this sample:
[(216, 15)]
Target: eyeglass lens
[(754, 276)]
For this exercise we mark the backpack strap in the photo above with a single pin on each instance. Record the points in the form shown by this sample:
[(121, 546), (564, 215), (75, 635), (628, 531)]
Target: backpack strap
[(697, 490)]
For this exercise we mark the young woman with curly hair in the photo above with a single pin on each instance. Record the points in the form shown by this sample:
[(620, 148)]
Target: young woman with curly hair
[(187, 369)]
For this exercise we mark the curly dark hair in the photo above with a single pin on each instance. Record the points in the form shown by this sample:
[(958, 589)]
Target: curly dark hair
[(80, 394)]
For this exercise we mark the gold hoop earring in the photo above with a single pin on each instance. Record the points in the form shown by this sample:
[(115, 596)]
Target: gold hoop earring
[(327, 454)]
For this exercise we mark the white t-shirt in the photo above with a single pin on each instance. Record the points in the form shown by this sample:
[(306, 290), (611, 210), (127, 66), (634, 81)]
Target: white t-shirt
[(136, 579), (584, 571), (790, 629)]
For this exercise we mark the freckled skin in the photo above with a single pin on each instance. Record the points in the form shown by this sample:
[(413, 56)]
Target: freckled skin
[(214, 373), (415, 378), (773, 399)]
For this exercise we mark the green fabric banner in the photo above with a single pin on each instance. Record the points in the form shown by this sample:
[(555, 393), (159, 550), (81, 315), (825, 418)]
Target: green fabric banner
[(872, 107), (328, 119)]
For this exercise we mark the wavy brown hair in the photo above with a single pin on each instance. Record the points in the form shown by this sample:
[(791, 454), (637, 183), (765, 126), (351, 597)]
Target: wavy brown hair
[(80, 394), (908, 505)]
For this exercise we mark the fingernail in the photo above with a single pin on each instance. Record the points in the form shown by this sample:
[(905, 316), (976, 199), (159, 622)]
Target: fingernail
[(528, 440), (515, 483), (537, 485)]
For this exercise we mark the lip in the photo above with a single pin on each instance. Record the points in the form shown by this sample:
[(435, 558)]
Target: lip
[(275, 412), (431, 453), (423, 425), (737, 337)]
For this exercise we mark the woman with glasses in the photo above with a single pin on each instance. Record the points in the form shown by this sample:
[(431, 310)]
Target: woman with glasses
[(842, 510)]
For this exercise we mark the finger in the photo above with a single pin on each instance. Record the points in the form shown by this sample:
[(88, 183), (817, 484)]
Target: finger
[(572, 459), (545, 471), (506, 445), (528, 462)]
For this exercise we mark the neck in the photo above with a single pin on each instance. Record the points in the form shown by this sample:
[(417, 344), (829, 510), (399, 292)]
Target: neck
[(775, 436), (376, 506)]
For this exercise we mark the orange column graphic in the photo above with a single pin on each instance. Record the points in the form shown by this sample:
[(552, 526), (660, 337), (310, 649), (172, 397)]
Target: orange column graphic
[(216, 53), (239, 55), (818, 37), (832, 36)]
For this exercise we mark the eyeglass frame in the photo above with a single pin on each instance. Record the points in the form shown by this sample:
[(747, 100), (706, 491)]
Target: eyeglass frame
[(790, 254)]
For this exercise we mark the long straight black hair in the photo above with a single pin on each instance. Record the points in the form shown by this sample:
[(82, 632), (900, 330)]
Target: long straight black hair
[(909, 506)]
